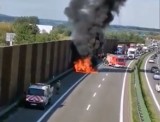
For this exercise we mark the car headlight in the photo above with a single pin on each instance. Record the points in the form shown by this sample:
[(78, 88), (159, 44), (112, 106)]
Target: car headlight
[(27, 99), (41, 100)]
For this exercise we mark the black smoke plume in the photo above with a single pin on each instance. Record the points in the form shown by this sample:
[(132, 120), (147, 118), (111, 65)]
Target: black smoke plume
[(89, 19)]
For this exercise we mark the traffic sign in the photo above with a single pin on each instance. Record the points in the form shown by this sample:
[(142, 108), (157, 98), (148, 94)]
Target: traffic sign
[(10, 37)]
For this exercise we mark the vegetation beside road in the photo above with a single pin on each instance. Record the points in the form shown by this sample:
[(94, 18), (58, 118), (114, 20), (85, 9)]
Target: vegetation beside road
[(133, 98), (26, 31), (146, 93)]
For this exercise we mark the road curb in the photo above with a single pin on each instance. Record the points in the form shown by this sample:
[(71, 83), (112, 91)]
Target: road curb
[(10, 107)]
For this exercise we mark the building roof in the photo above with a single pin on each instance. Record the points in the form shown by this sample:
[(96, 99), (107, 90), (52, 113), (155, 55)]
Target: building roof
[(45, 28)]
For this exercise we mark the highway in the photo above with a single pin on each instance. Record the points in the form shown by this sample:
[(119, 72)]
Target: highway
[(151, 82), (101, 96)]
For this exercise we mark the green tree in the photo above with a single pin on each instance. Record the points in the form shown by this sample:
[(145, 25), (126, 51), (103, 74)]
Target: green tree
[(43, 37), (30, 19), (25, 33)]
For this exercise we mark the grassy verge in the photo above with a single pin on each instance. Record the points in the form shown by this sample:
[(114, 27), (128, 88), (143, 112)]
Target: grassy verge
[(146, 94), (133, 99)]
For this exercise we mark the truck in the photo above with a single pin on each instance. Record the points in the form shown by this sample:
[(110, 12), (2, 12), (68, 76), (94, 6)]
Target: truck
[(121, 49), (115, 60), (132, 53), (39, 95)]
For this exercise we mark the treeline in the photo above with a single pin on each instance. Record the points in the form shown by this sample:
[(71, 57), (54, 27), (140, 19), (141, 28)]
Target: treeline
[(125, 36), (27, 31)]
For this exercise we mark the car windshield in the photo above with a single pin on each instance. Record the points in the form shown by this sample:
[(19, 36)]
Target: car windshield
[(38, 92), (131, 52)]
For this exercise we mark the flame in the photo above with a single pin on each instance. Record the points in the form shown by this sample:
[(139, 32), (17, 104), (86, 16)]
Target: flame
[(84, 65)]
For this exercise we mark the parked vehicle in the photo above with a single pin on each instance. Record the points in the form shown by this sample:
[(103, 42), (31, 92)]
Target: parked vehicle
[(115, 60), (38, 95)]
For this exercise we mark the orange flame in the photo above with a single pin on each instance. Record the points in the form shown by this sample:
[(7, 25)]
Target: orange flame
[(84, 65)]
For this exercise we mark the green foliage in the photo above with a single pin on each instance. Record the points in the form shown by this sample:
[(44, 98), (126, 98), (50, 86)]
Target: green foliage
[(25, 33), (124, 36), (4, 28), (60, 32), (31, 20), (43, 37)]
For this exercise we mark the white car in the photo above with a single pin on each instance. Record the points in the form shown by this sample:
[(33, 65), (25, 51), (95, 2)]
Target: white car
[(158, 87), (151, 61), (156, 76)]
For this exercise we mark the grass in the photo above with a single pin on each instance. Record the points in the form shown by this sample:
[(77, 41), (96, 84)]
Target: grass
[(146, 94), (133, 99)]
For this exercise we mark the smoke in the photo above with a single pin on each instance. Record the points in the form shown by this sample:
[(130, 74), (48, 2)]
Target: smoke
[(89, 19)]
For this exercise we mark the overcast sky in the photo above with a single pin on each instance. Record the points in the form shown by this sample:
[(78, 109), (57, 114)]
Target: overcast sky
[(144, 13)]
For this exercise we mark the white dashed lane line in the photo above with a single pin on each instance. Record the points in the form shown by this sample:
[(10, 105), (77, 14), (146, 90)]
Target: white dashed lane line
[(99, 85), (88, 107), (103, 79), (106, 74), (94, 94)]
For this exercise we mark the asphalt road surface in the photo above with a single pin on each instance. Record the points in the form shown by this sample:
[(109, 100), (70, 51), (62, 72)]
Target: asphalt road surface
[(151, 82), (97, 97)]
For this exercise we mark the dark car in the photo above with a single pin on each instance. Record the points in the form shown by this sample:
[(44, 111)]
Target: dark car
[(154, 69)]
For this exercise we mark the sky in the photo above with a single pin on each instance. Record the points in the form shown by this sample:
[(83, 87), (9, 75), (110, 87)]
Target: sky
[(143, 13)]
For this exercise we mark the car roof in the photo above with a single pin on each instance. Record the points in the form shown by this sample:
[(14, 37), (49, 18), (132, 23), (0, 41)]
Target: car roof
[(39, 86)]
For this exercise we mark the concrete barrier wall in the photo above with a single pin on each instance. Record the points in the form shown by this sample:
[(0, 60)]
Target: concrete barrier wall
[(24, 64)]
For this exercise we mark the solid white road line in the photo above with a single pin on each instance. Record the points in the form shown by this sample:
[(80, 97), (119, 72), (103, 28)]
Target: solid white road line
[(94, 94), (158, 62), (103, 79), (99, 85), (46, 113), (149, 85), (122, 94), (88, 107)]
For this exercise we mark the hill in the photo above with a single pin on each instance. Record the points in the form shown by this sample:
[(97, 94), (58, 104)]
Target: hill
[(112, 28)]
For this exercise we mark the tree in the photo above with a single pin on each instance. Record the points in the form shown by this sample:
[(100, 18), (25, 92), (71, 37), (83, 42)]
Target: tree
[(31, 20), (43, 37), (125, 36), (25, 33)]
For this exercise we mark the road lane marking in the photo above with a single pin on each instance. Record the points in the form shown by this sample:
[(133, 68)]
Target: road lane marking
[(94, 94), (99, 85), (122, 93), (106, 74), (149, 85), (158, 62), (47, 112), (103, 79), (88, 107)]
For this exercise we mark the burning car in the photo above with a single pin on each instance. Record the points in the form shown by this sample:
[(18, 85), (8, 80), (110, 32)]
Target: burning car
[(84, 65)]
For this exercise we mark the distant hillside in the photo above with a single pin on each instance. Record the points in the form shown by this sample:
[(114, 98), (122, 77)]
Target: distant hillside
[(6, 18), (113, 28)]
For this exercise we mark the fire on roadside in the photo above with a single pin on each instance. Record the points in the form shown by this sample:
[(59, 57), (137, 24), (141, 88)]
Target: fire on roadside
[(84, 65)]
